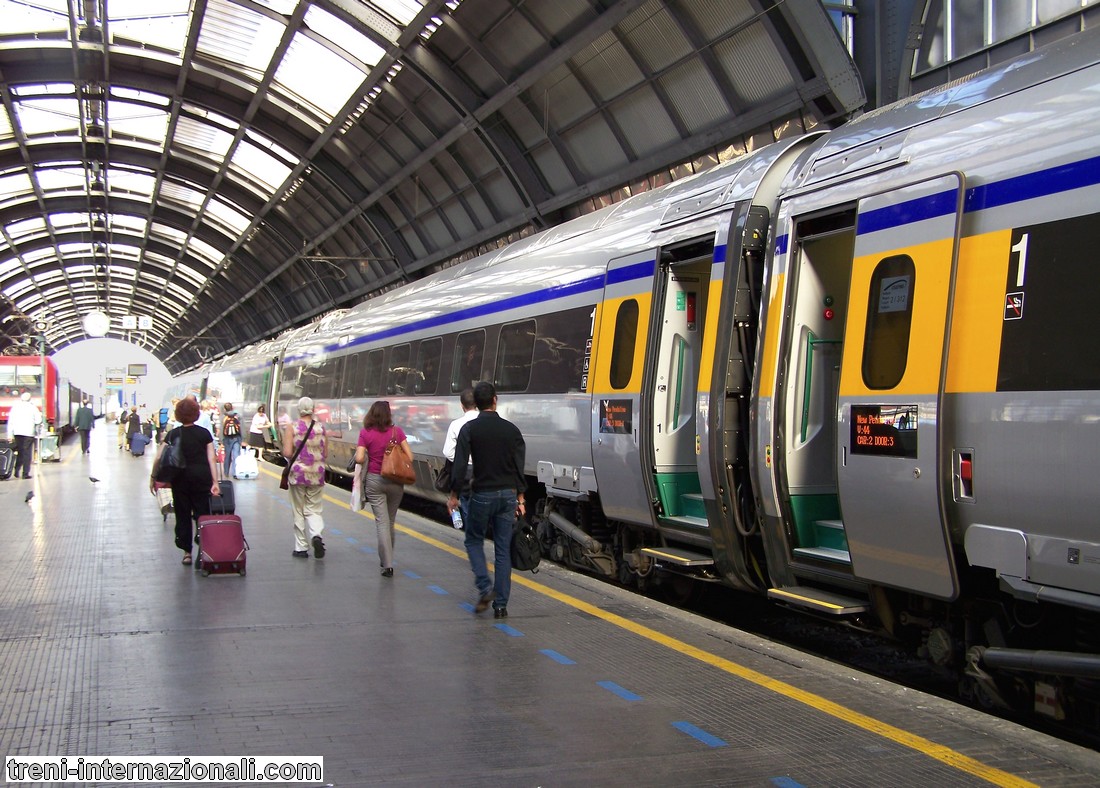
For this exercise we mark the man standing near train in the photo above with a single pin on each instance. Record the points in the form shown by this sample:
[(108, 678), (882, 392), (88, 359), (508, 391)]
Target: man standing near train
[(23, 420), (497, 491), (84, 421)]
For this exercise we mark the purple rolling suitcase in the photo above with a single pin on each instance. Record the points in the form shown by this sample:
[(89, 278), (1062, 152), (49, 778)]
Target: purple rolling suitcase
[(222, 544)]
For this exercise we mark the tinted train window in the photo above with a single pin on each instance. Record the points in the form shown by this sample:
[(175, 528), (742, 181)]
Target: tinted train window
[(428, 357), (889, 322), (559, 363), (398, 376), (290, 386), (351, 375), (514, 352), (622, 349), (469, 352), (372, 374)]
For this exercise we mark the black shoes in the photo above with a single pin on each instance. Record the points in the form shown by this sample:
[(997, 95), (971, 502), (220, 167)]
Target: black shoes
[(318, 547), (300, 554), (387, 572), (484, 602), (500, 612)]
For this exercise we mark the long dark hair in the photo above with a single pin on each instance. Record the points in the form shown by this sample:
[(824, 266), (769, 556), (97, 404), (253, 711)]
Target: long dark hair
[(378, 417)]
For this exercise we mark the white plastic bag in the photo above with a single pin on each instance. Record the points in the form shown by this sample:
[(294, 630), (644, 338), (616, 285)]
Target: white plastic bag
[(357, 489)]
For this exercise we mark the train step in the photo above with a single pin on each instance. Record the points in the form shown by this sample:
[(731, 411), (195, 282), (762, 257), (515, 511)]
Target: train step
[(678, 556), (830, 533), (819, 601), (830, 554), (691, 505)]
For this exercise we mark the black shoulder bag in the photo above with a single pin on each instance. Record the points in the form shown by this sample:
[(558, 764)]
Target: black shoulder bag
[(171, 462)]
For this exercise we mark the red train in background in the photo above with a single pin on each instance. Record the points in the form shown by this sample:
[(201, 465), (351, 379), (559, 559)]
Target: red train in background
[(57, 399)]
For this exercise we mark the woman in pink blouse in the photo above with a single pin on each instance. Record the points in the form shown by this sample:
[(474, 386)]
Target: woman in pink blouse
[(383, 495), (307, 479)]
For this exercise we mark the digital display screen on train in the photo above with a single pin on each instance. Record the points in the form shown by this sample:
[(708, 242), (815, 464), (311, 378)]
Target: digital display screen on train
[(884, 430)]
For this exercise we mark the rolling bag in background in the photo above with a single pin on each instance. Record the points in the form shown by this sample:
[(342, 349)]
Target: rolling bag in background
[(222, 545), (246, 465), (7, 459), (164, 499), (228, 503)]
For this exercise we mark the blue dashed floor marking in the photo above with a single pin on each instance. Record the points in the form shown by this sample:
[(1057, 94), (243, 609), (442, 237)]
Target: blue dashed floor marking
[(622, 692), (509, 630), (786, 782), (411, 574), (706, 738), (564, 660), (367, 549), (466, 606), (352, 540), (438, 590)]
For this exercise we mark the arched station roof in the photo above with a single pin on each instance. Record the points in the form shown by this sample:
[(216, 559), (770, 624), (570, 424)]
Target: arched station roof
[(209, 173)]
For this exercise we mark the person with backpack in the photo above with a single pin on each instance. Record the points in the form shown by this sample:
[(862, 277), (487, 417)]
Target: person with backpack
[(231, 438)]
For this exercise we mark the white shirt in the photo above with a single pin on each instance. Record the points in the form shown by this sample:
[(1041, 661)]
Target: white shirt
[(259, 421), (25, 416), (450, 443)]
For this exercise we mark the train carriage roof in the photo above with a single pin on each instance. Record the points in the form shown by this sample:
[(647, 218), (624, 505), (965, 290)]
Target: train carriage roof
[(227, 170)]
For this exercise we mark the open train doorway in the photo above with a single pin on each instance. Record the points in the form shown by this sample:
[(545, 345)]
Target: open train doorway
[(681, 303)]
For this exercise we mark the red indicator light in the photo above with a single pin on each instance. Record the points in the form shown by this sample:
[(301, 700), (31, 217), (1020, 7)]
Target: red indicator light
[(829, 314)]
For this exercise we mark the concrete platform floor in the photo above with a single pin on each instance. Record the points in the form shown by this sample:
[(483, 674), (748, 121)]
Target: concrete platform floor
[(108, 646)]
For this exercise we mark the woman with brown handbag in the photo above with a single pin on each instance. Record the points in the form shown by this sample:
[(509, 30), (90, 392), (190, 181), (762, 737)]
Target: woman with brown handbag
[(379, 437)]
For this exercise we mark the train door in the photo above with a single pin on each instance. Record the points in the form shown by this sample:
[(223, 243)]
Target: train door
[(889, 471), (616, 379), (683, 284)]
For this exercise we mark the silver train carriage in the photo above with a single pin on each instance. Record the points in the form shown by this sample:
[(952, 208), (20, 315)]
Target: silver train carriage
[(854, 370)]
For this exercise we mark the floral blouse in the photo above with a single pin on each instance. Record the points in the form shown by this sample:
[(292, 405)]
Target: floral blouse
[(309, 467)]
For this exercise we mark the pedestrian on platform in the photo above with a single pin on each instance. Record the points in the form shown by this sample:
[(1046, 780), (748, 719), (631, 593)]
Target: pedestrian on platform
[(497, 493), (231, 438), (305, 445), (383, 495), (24, 418), (469, 412), (84, 421), (256, 431), (193, 486)]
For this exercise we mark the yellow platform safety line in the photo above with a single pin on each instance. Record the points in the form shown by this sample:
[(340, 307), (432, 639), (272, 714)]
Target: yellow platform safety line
[(939, 752)]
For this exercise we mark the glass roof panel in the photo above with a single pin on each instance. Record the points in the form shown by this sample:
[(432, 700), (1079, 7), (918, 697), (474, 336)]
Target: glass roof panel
[(205, 252), (343, 35), (181, 195), (138, 121), (139, 96), (230, 32), (27, 228), (14, 187), (402, 10), (48, 115), (172, 234), (5, 123), (230, 217), (18, 288), (9, 265), (162, 24), (69, 220), (41, 17), (191, 275), (61, 179), (133, 183), (202, 137), (260, 165), (121, 221), (318, 76)]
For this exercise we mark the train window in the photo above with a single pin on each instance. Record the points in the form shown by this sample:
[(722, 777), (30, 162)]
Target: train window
[(624, 343), (398, 376), (889, 322), (515, 349), (291, 385), (351, 375), (469, 351), (372, 374), (428, 357), (558, 365)]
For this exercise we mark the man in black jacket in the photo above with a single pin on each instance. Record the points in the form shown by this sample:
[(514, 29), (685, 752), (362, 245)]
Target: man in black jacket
[(496, 494)]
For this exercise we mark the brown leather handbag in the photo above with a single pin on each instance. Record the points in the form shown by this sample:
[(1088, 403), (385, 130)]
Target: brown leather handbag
[(396, 467)]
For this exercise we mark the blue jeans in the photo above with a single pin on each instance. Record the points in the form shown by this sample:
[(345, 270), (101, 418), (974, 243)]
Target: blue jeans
[(232, 446), (498, 509)]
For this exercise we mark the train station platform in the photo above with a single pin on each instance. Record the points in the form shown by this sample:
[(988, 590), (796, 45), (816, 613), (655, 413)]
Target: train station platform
[(110, 647)]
